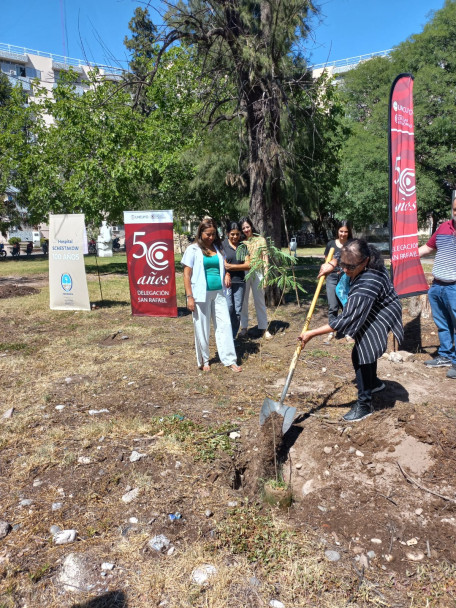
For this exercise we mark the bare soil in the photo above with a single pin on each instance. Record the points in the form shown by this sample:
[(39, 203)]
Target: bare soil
[(385, 485)]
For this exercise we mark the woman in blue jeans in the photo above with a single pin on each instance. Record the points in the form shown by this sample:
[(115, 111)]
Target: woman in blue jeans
[(235, 266)]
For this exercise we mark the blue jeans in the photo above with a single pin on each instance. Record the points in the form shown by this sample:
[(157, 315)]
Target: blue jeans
[(234, 298), (442, 299)]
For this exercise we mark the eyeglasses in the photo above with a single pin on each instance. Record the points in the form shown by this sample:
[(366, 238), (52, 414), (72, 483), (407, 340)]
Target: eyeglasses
[(351, 266)]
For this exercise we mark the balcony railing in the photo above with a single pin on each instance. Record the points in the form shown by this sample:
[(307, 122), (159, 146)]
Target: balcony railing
[(19, 53), (350, 62)]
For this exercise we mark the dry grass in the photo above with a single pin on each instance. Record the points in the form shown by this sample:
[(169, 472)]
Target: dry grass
[(150, 386)]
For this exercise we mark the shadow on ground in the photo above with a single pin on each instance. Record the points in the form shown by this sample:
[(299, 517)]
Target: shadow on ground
[(113, 599)]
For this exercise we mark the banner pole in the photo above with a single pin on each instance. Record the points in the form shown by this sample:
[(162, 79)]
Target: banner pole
[(99, 279)]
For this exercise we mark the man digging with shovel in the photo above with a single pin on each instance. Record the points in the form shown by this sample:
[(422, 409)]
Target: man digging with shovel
[(372, 311)]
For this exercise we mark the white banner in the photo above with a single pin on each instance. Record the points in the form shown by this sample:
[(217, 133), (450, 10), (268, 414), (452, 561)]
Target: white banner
[(67, 277)]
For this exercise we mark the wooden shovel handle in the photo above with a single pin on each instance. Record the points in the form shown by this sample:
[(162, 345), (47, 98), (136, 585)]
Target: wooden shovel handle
[(305, 328)]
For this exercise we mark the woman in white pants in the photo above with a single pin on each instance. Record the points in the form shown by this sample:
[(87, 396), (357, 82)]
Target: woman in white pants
[(256, 246), (204, 272)]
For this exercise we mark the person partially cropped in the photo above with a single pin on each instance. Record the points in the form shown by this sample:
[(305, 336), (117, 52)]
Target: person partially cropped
[(372, 310), (204, 274), (344, 234), (236, 263), (257, 249), (442, 293)]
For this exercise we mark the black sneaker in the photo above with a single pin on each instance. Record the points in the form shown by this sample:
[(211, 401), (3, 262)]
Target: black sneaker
[(439, 362), (451, 373), (379, 387), (358, 412)]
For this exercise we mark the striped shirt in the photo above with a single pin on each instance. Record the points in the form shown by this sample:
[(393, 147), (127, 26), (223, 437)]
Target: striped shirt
[(372, 310), (444, 240)]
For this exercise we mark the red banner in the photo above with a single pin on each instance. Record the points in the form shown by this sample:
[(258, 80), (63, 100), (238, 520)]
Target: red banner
[(408, 275), (150, 258)]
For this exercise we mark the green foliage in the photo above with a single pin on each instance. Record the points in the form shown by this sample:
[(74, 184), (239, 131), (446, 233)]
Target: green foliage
[(248, 531), (278, 272), (13, 240), (431, 57)]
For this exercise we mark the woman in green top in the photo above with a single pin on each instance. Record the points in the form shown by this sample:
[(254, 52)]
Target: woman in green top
[(204, 273)]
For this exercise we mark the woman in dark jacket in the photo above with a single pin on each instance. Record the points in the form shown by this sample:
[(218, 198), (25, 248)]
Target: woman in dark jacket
[(372, 311)]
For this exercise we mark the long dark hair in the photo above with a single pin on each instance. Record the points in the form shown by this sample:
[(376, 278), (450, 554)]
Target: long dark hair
[(231, 225), (345, 224), (247, 220), (207, 222), (361, 248)]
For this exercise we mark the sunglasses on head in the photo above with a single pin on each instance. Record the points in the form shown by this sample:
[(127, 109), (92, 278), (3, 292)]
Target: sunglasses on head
[(351, 266)]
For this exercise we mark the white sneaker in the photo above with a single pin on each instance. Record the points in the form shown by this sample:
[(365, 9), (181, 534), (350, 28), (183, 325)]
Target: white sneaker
[(267, 335)]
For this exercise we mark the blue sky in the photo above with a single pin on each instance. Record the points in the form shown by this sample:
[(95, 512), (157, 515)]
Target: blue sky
[(95, 29)]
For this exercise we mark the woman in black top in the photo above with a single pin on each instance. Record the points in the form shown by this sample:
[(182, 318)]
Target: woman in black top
[(344, 234), (372, 311), (236, 263)]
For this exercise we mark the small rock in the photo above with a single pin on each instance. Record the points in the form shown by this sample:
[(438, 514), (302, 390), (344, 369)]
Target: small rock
[(363, 561), (59, 407), (84, 460), (56, 506), (395, 357), (55, 529), (5, 529), (323, 369), (157, 543), (65, 536), (133, 520), (130, 383), (254, 581), (406, 356), (322, 509), (412, 541), (357, 550), (107, 566), (298, 465), (135, 456), (130, 496), (235, 435), (208, 513), (178, 465), (307, 487), (201, 575), (415, 557), (26, 502), (388, 557), (351, 450), (418, 511), (171, 550), (327, 449), (37, 483), (124, 337), (376, 541), (332, 556), (359, 453), (95, 412), (371, 554), (232, 503), (8, 413), (276, 604)]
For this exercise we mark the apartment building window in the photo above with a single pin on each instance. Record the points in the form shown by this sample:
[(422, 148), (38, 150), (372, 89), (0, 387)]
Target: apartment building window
[(19, 70)]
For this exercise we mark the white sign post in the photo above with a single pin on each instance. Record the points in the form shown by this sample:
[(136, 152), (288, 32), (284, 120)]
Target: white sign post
[(67, 277)]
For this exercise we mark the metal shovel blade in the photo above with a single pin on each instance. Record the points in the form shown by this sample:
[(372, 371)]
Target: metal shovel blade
[(270, 406)]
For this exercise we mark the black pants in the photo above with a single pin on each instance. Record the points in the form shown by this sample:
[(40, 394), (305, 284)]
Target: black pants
[(333, 301), (366, 378)]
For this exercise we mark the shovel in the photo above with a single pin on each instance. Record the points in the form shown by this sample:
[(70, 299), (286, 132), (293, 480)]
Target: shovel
[(270, 406)]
